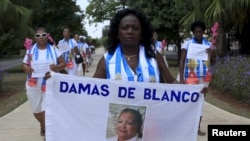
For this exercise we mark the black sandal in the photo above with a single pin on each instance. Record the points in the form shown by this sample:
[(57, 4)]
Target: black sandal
[(42, 132), (201, 133)]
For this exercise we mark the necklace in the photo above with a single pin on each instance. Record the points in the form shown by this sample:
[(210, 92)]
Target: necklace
[(129, 57)]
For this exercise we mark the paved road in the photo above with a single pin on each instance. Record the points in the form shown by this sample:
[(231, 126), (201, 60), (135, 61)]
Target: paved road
[(6, 64), (20, 125)]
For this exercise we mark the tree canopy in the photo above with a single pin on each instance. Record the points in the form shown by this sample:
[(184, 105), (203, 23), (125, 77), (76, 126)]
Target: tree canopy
[(14, 21), (170, 17), (19, 19)]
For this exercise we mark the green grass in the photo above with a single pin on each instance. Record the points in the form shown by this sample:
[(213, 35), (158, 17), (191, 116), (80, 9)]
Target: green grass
[(12, 93), (9, 103)]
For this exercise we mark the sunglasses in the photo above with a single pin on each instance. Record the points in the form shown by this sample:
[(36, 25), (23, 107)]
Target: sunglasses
[(41, 35)]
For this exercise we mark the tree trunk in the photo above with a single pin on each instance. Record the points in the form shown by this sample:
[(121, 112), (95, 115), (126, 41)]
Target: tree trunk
[(244, 39), (221, 43)]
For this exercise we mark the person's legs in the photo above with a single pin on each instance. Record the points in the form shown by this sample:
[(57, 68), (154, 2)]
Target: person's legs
[(36, 99), (201, 133), (41, 119), (83, 68), (89, 61), (86, 65)]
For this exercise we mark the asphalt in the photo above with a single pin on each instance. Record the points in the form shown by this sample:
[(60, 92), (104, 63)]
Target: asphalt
[(10, 63), (20, 125)]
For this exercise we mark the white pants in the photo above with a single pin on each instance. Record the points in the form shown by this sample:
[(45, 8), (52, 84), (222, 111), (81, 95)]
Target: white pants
[(36, 97)]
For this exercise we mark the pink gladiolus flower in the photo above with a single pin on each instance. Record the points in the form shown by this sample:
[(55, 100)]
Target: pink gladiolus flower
[(213, 41), (50, 38), (214, 32), (27, 43), (29, 58)]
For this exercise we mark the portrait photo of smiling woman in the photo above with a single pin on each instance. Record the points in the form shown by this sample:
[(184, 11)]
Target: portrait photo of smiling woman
[(126, 125)]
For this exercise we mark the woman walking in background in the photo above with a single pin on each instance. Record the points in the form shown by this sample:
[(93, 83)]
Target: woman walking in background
[(193, 71)]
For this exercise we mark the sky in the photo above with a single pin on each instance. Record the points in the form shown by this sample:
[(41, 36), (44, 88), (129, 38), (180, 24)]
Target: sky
[(93, 31)]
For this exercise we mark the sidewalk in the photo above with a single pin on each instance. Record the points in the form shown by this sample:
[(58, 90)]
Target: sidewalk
[(20, 125)]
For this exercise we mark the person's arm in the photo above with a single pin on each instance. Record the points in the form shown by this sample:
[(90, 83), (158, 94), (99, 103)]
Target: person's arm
[(25, 65), (27, 68), (100, 69), (165, 74), (182, 64), (212, 54), (60, 66)]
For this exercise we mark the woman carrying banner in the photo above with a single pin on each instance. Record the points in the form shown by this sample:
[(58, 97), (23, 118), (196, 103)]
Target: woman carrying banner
[(129, 126), (40, 52), (130, 56)]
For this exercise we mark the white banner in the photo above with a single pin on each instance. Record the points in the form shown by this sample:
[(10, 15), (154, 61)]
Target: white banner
[(87, 109)]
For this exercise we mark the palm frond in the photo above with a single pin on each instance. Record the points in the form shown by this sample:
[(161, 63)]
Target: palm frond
[(214, 12), (4, 6), (23, 12)]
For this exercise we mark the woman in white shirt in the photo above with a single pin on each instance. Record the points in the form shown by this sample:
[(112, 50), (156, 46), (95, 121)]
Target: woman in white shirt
[(68, 56), (40, 54)]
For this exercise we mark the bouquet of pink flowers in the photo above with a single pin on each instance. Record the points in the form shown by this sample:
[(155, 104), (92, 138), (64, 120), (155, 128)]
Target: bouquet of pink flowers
[(51, 40), (28, 44), (214, 34)]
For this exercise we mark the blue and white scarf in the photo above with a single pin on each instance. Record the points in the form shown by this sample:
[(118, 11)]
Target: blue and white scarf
[(117, 67), (50, 53)]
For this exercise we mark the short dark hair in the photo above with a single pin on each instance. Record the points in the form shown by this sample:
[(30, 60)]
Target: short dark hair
[(41, 28), (69, 30), (200, 24), (147, 30), (138, 119)]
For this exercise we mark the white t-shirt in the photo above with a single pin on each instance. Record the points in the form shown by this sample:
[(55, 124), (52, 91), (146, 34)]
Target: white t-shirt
[(158, 46), (42, 54), (53, 55), (72, 43), (85, 47)]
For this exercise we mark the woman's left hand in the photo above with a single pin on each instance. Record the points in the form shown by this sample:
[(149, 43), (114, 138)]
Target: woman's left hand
[(209, 50), (204, 90), (47, 75), (53, 67)]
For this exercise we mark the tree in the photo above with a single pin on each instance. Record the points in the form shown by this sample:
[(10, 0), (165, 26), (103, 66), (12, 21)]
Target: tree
[(104, 39), (164, 14), (231, 15), (101, 10), (56, 14), (13, 25)]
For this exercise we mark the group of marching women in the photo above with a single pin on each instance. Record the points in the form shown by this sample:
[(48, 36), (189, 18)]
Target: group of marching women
[(129, 57)]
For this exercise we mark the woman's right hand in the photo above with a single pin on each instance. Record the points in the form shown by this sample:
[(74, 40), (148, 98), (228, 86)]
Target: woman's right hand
[(28, 69), (182, 81), (47, 75)]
